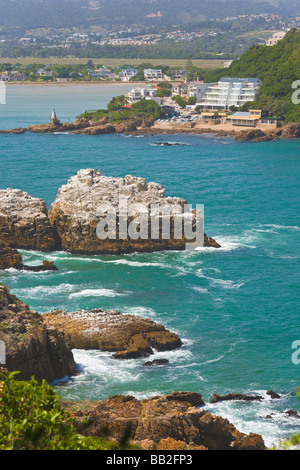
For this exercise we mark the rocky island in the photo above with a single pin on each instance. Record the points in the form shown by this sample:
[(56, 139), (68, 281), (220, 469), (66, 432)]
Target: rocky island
[(72, 220)]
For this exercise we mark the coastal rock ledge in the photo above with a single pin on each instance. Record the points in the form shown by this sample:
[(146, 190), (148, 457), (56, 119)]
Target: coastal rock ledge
[(75, 215), (161, 422), (127, 336)]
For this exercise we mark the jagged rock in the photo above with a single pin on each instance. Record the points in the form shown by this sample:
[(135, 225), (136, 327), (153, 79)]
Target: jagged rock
[(273, 394), (156, 362), (17, 130), (11, 258), (290, 131), (257, 135), (235, 396), (159, 419), (289, 413), (210, 242), (24, 222), (46, 266), (127, 336), (193, 398), (75, 214), (32, 348)]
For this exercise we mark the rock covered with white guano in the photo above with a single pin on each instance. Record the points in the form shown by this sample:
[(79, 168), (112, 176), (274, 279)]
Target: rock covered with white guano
[(88, 196)]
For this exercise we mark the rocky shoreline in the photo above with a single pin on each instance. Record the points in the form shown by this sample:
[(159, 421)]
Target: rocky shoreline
[(139, 126), (41, 346)]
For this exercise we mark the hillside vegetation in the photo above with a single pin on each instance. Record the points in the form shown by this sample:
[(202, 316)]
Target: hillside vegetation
[(116, 13), (278, 67)]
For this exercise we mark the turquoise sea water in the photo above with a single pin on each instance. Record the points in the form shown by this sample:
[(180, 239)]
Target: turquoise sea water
[(236, 309)]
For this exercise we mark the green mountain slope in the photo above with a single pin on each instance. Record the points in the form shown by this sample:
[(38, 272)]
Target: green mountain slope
[(117, 13), (278, 67)]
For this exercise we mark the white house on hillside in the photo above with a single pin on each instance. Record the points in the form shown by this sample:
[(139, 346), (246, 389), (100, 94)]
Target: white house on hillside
[(138, 94), (275, 38)]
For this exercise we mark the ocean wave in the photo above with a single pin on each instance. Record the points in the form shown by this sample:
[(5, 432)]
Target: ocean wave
[(254, 416), (225, 283), (137, 264), (139, 311), (44, 291), (169, 144), (97, 293), (201, 290)]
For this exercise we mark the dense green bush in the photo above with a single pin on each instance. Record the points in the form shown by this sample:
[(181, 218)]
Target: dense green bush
[(31, 418)]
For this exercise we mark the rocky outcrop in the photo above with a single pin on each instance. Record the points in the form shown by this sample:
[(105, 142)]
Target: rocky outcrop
[(17, 130), (273, 395), (24, 222), (32, 347), (89, 199), (210, 242), (74, 217), (11, 258), (291, 131), (81, 126), (156, 362), (171, 421), (257, 135), (235, 396), (127, 336)]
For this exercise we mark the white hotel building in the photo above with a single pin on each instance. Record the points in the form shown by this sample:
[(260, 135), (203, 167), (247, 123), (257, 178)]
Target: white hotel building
[(230, 92)]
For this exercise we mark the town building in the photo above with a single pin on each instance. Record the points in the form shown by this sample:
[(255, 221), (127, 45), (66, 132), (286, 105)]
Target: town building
[(138, 94), (230, 92), (253, 118), (45, 72), (198, 90), (100, 73), (128, 73), (275, 38), (180, 74), (153, 74), (227, 64), (180, 89)]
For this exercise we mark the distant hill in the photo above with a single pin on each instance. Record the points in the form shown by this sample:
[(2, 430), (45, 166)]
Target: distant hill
[(278, 67), (119, 13)]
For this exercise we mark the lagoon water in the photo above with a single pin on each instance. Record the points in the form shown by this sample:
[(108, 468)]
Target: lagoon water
[(236, 308)]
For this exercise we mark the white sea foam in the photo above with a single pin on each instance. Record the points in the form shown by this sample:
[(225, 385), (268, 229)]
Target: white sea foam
[(201, 290), (137, 264), (97, 293), (43, 291), (251, 417), (225, 283), (139, 311)]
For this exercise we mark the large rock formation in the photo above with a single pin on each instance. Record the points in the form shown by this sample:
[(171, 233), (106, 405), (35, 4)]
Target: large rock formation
[(32, 347), (171, 421), (129, 337), (24, 222), (87, 199)]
